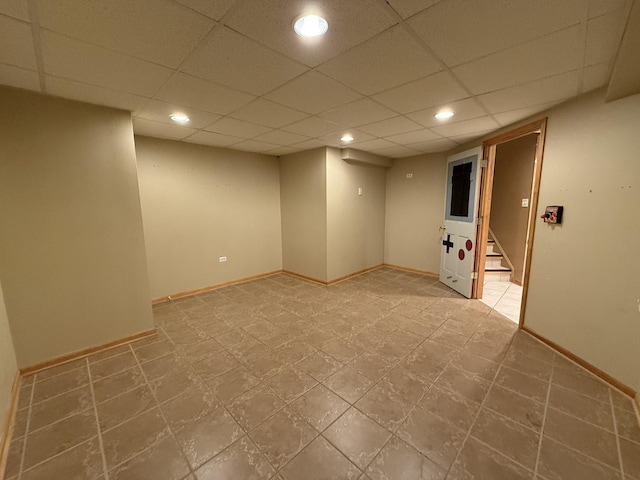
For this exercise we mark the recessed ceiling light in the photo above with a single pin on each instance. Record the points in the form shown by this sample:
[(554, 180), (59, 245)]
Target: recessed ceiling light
[(310, 26), (347, 138), (443, 115), (179, 118)]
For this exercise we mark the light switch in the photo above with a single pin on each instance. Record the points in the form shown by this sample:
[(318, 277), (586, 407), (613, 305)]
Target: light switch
[(525, 202), (359, 190)]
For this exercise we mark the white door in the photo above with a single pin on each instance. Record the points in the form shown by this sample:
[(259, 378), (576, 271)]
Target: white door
[(460, 221)]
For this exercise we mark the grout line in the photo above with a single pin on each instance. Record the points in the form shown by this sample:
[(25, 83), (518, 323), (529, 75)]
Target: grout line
[(615, 428), (26, 431), (95, 412), (544, 418)]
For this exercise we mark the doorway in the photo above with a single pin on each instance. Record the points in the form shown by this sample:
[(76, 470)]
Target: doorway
[(508, 204)]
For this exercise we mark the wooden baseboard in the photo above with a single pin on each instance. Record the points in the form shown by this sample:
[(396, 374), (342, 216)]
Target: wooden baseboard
[(210, 288), (7, 426), (304, 277), (84, 353), (584, 364), (412, 270), (335, 280), (637, 402)]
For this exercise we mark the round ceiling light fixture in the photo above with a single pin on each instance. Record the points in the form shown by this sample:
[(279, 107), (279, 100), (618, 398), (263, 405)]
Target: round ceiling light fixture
[(179, 118), (311, 26), (347, 138), (444, 114)]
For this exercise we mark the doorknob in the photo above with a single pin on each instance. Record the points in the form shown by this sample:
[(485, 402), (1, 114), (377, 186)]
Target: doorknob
[(442, 228)]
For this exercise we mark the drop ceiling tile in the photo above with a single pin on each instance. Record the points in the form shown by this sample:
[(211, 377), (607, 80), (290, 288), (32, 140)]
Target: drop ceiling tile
[(459, 31), (547, 90), (159, 31), (600, 7), (434, 146), (377, 144), (418, 136), (254, 146), (507, 118), (391, 126), (267, 113), (74, 60), (334, 139), (313, 93), (397, 152), (17, 44), (280, 137), (424, 93), (142, 126), (282, 151), (270, 22), (160, 111), (214, 139), (467, 127), (395, 57), (462, 139), (182, 89), (19, 78), (215, 10), (83, 92), (358, 113), (231, 59), (308, 145), (16, 9), (237, 128), (557, 53), (314, 127), (595, 76), (408, 8), (603, 37), (463, 109)]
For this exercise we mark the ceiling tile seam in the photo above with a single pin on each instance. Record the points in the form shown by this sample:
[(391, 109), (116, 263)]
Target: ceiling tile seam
[(34, 15), (627, 17), (15, 19), (584, 23), (191, 10)]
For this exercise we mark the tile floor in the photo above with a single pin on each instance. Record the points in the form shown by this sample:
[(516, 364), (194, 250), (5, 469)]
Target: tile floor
[(388, 375), (504, 298)]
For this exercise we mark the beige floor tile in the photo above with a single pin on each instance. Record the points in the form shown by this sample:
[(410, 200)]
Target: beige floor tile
[(405, 384), (60, 384), (233, 384), (191, 405), (470, 386), (111, 365), (585, 408), (81, 462), (14, 458), (523, 410), (240, 460), (118, 384), (64, 368), (62, 406), (627, 424), (319, 365), (349, 384), (450, 406), (291, 383), (385, 407), (124, 407), (215, 365), (320, 407), (162, 460), (477, 461), (320, 460), (523, 384), (557, 462), (630, 452), (253, 407), (397, 460)]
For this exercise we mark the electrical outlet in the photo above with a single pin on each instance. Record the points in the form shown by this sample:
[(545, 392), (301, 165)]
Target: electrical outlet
[(409, 175), (222, 259)]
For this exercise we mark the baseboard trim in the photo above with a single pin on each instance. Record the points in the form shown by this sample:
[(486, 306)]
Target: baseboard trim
[(412, 270), (305, 277), (584, 364), (84, 353), (7, 426), (188, 293), (335, 280)]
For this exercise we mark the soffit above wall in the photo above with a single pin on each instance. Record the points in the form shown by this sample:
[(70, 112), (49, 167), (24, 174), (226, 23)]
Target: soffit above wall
[(625, 79)]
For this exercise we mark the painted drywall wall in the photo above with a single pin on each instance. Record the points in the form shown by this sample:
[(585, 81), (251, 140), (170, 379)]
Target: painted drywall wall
[(8, 367), (512, 179), (414, 211), (201, 203), (71, 242), (303, 203), (355, 223), (585, 274)]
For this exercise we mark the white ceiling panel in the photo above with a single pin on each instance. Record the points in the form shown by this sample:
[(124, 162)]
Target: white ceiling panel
[(282, 151), (270, 22), (600, 7), (547, 90), (463, 109), (212, 9), (434, 146), (313, 93), (334, 139), (267, 113), (19, 78), (358, 113), (408, 8), (557, 53), (159, 31), (142, 126), (507, 118), (467, 127), (74, 60), (160, 112), (15, 8), (231, 59), (417, 136), (395, 57), (254, 146), (376, 144), (424, 93), (210, 138), (308, 145), (595, 76), (182, 89), (462, 139), (280, 137), (237, 128), (61, 87), (398, 151), (459, 30), (314, 127), (17, 44), (603, 37), (390, 126)]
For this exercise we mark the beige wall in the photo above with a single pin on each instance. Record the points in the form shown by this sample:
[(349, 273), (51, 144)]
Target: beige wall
[(303, 203), (355, 223), (8, 366), (585, 273), (200, 203), (414, 211), (71, 242), (512, 179)]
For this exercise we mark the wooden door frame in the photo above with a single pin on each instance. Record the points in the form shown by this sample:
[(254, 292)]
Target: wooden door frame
[(490, 147)]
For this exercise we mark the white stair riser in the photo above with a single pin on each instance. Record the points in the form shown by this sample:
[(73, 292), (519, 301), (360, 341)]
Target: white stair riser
[(493, 262), (497, 276)]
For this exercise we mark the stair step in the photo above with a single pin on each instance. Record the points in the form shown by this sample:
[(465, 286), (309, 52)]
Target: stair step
[(497, 269), (493, 254)]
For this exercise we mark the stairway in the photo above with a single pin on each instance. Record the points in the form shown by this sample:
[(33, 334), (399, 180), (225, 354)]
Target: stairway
[(494, 266)]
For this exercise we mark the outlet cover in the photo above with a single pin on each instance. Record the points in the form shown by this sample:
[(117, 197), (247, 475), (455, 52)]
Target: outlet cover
[(222, 259)]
